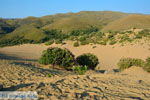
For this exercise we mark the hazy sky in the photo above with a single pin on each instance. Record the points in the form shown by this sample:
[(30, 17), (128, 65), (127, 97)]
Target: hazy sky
[(24, 8)]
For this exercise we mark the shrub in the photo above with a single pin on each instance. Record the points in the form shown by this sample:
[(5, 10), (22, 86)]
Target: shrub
[(125, 63), (103, 42), (125, 38), (145, 32), (84, 43), (57, 56), (147, 64), (76, 44), (82, 38), (111, 36), (81, 70), (89, 60), (50, 75), (112, 42), (49, 42), (138, 36), (58, 42)]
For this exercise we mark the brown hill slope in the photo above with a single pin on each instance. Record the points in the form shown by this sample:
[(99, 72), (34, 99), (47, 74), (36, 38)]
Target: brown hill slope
[(82, 20), (128, 22)]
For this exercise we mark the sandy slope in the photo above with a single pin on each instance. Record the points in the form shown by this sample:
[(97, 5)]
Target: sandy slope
[(132, 84), (108, 55)]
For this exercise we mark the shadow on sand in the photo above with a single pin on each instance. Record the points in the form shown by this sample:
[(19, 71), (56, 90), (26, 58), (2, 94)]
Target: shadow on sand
[(15, 88), (11, 57)]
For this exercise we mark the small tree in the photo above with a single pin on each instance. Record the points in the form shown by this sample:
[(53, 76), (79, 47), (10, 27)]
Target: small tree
[(89, 60), (57, 56)]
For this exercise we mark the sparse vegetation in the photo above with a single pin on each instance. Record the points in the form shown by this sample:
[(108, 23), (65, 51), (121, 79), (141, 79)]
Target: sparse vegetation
[(112, 42), (81, 70), (58, 41), (49, 75), (125, 63), (147, 65), (89, 60), (49, 42)]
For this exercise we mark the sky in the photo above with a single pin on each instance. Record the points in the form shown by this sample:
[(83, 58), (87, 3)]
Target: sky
[(24, 8)]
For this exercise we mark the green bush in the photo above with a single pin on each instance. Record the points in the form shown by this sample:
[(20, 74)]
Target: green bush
[(138, 36), (147, 65), (57, 56), (103, 42), (58, 41), (49, 42), (125, 63), (76, 44), (125, 38), (50, 75), (112, 42), (84, 43), (89, 60), (82, 38), (81, 70)]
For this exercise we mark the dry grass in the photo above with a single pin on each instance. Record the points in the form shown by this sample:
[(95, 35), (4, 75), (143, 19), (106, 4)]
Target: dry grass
[(129, 22)]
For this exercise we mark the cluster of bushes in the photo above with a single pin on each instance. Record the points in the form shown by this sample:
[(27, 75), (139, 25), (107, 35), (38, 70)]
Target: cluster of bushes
[(84, 31), (14, 41), (125, 63), (65, 59), (83, 36)]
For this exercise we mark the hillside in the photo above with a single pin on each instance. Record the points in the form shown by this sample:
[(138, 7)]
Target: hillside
[(88, 24), (84, 19), (129, 22)]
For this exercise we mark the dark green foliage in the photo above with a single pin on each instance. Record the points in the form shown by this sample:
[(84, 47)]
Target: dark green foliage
[(76, 44), (55, 34), (58, 41), (80, 70), (14, 41), (84, 31), (6, 27), (89, 60), (57, 56), (125, 63), (82, 38), (147, 65)]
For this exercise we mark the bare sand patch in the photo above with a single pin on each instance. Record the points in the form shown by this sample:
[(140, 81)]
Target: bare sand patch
[(108, 55)]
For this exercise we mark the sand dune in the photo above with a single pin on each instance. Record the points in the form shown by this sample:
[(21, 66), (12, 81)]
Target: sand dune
[(108, 55), (131, 84)]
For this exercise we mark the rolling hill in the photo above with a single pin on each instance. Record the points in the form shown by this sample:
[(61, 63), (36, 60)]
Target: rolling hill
[(38, 29), (84, 19), (131, 21)]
